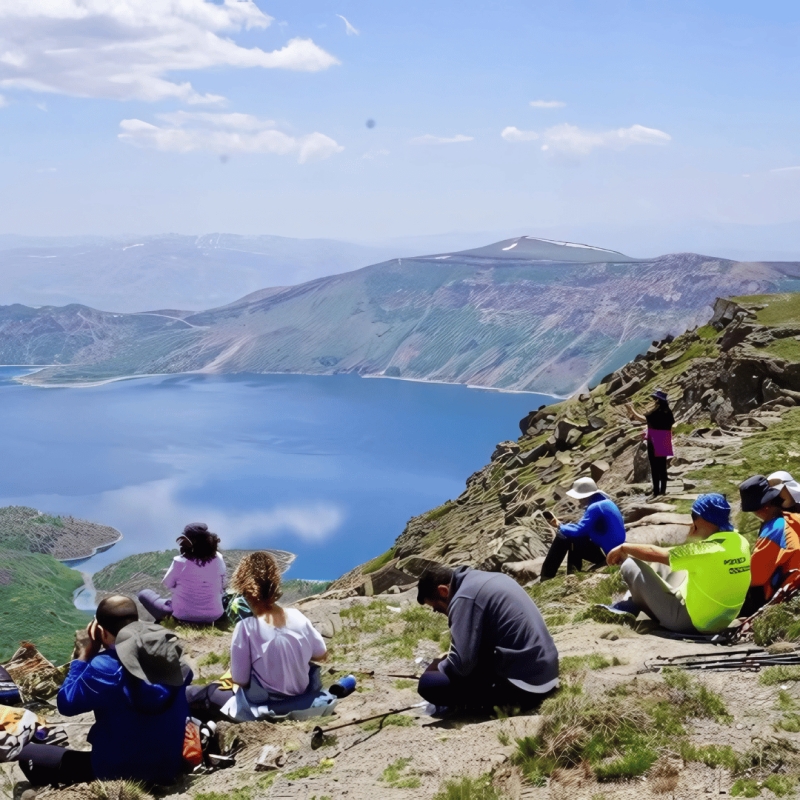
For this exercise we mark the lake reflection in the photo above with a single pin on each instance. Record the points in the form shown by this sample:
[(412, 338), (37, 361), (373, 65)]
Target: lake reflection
[(329, 467)]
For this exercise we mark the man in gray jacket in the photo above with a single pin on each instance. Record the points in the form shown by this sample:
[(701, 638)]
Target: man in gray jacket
[(501, 653)]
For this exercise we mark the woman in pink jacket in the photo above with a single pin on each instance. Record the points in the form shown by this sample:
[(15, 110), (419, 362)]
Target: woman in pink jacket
[(197, 578), (660, 421)]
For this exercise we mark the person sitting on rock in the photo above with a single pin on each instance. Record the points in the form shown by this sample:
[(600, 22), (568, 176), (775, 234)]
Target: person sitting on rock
[(600, 530), (501, 653), (271, 654), (790, 490), (197, 578), (776, 555), (131, 674), (697, 587), (660, 421)]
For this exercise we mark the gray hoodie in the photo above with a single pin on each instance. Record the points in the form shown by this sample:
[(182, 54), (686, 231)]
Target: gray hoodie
[(496, 629)]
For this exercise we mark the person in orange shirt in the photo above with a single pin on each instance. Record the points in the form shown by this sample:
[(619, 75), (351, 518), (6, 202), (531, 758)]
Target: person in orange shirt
[(777, 551)]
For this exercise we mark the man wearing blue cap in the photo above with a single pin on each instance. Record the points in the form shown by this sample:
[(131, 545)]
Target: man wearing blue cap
[(697, 587)]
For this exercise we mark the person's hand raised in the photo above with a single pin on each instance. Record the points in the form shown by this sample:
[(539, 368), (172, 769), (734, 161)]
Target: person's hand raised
[(87, 642)]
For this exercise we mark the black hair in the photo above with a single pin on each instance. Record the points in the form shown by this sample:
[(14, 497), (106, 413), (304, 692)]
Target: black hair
[(198, 543), (430, 580), (115, 612)]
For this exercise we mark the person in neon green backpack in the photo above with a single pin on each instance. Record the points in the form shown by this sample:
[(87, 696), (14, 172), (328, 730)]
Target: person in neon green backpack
[(697, 587)]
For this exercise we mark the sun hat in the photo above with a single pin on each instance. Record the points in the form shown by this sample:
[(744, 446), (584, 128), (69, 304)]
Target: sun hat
[(152, 653), (583, 488), (783, 478), (714, 508), (756, 492), (660, 394)]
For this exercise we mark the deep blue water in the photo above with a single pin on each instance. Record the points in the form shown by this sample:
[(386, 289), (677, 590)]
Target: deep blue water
[(330, 467)]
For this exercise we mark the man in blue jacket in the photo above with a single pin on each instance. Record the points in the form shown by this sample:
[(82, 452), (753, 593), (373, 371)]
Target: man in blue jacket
[(501, 653), (132, 676), (599, 531)]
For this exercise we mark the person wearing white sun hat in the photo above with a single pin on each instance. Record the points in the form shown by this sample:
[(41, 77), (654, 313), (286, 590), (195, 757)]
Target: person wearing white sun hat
[(599, 531), (790, 489)]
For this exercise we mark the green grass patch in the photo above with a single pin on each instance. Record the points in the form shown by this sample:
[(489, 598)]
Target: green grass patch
[(778, 623), (618, 739), (405, 683), (240, 793), (574, 664), (397, 776), (785, 701), (420, 624), (780, 785), (468, 789), (760, 453), (309, 770), (36, 593), (712, 755), (771, 676), (439, 512), (746, 787), (377, 563), (707, 332), (211, 659), (398, 720), (788, 349), (781, 308)]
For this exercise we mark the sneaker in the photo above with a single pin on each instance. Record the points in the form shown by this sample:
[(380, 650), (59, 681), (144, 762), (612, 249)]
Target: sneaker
[(626, 607)]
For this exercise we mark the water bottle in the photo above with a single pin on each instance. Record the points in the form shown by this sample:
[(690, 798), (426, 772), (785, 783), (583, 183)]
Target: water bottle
[(344, 686)]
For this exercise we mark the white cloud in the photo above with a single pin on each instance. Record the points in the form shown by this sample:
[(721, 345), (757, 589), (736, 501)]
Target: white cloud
[(349, 29), (547, 104), (224, 134), (125, 49), (430, 139), (3, 101), (785, 169), (512, 134), (372, 154), (574, 141)]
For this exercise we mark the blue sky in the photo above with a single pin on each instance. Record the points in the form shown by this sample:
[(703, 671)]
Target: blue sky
[(655, 125)]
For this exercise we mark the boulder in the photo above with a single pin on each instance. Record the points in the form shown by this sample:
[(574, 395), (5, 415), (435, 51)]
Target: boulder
[(637, 511), (658, 534), (597, 469), (519, 543), (524, 571), (563, 430), (379, 581), (662, 518)]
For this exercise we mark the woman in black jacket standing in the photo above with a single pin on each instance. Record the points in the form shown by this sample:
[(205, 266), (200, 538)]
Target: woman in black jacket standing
[(660, 422)]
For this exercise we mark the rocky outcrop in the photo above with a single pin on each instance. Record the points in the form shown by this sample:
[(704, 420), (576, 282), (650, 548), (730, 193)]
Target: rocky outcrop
[(725, 384)]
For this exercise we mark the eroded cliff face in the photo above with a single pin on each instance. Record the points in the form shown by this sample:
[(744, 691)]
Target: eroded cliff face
[(730, 382)]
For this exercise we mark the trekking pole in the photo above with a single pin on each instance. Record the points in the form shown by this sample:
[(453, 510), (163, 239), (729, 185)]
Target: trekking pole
[(318, 734)]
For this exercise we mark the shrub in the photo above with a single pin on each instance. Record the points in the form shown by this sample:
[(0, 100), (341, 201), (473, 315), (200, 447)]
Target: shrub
[(778, 623), (468, 789)]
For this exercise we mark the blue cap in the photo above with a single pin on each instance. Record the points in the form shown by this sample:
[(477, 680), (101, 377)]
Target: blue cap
[(714, 508)]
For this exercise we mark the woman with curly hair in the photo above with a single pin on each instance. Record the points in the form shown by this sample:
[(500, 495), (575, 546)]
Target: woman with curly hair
[(197, 578), (271, 654)]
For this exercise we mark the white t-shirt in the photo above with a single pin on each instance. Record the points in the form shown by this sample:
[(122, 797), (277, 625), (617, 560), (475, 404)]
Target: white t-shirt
[(196, 591), (278, 657)]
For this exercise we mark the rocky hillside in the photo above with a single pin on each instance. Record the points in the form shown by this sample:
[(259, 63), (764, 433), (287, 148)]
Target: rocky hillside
[(521, 314), (65, 538), (734, 384)]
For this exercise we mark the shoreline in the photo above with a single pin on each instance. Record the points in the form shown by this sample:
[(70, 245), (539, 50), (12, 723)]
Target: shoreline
[(106, 381)]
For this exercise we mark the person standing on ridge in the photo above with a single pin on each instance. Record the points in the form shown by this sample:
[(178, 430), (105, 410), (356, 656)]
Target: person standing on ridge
[(660, 421), (599, 531)]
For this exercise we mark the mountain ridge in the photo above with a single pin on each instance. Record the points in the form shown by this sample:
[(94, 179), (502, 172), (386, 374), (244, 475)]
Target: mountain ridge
[(522, 324)]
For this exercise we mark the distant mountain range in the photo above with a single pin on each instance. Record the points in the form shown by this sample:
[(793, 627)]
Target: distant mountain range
[(139, 272), (522, 314)]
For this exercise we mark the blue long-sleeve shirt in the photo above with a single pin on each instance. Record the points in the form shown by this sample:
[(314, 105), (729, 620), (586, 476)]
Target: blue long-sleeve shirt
[(139, 727), (602, 523)]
